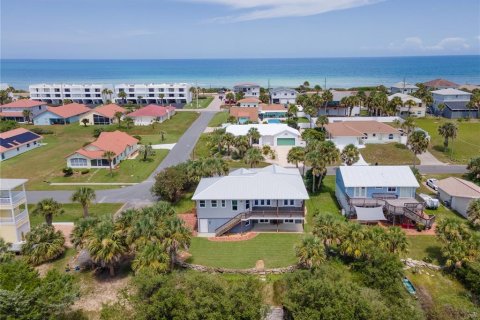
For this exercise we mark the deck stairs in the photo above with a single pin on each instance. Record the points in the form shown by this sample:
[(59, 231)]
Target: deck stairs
[(229, 224)]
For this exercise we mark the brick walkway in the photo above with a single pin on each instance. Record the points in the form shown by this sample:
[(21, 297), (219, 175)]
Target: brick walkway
[(234, 237)]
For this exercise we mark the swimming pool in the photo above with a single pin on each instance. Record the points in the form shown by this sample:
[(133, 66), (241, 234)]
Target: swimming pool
[(273, 121)]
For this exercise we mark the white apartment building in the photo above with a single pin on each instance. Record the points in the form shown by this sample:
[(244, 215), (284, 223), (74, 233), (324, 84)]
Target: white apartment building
[(283, 95), (248, 89), (170, 93), (79, 93)]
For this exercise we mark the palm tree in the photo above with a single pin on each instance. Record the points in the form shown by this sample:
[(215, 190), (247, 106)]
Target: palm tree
[(241, 144), (329, 229), (84, 196), (292, 110), (146, 150), (81, 229), (473, 213), (228, 140), (316, 102), (162, 135), (350, 154), (105, 92), (447, 130), (396, 240), (85, 121), (311, 252), (306, 84), (410, 103), (441, 107), (317, 88), (4, 97), (43, 244), (253, 157), (27, 115), (175, 237), (353, 243), (152, 257), (122, 95), (396, 102), (322, 121), (109, 155), (418, 143), (327, 96), (110, 92), (128, 122), (105, 245), (409, 125), (253, 135), (118, 115), (161, 96), (48, 208), (5, 253), (313, 159), (296, 155)]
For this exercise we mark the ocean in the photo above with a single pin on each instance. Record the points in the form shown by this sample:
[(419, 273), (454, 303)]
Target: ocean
[(337, 72)]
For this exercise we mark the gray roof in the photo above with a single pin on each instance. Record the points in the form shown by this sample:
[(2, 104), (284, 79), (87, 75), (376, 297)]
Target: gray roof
[(457, 105), (272, 90), (378, 176), (10, 184), (405, 85), (272, 182)]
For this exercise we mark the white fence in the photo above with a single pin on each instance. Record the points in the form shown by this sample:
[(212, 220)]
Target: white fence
[(340, 119)]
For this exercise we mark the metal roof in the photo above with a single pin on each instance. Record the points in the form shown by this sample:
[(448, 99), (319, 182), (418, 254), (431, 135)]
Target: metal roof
[(458, 105), (263, 129), (451, 91), (9, 184), (378, 176), (404, 97), (457, 187), (272, 182)]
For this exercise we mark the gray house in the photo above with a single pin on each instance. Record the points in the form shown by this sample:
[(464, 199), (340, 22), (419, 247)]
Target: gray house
[(264, 199)]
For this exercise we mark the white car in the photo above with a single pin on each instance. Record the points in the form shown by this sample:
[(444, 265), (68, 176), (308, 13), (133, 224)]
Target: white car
[(432, 183)]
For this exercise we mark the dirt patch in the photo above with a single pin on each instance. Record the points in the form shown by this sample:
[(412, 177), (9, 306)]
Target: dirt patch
[(190, 220), (66, 228), (234, 237), (260, 265), (43, 269)]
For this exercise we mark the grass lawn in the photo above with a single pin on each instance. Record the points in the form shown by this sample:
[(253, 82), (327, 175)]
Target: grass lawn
[(203, 102), (389, 153), (323, 202), (218, 119), (185, 204), (421, 247), (275, 249), (462, 149), (45, 163), (439, 293), (303, 120), (74, 211)]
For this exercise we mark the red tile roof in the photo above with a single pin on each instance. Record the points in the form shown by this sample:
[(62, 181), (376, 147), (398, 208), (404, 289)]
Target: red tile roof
[(109, 110), (24, 103), (12, 114), (242, 112), (358, 128), (116, 141), (272, 107), (16, 132), (249, 100), (152, 110), (440, 83), (69, 110)]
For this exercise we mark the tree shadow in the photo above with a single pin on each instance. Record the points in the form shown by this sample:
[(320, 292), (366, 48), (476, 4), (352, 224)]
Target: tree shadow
[(435, 253)]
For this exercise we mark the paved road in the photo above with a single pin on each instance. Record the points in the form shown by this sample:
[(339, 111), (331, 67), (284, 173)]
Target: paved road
[(426, 169), (139, 194)]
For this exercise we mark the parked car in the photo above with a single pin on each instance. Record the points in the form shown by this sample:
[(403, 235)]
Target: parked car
[(432, 183)]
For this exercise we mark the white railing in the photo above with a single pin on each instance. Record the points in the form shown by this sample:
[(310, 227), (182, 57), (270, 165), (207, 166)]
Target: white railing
[(16, 197), (21, 216)]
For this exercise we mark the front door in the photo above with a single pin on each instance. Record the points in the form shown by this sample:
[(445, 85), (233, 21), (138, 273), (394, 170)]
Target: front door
[(405, 193), (360, 192), (203, 225)]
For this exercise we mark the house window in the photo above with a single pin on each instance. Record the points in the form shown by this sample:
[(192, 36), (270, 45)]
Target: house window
[(234, 205), (374, 134), (28, 145), (213, 203), (263, 221), (224, 203), (78, 162), (247, 223), (390, 136), (288, 202), (378, 187), (18, 149), (247, 204), (289, 221), (255, 202), (35, 143), (201, 204), (392, 189)]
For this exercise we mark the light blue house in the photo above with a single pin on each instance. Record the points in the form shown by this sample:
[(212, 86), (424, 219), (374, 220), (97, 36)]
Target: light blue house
[(66, 114), (390, 190)]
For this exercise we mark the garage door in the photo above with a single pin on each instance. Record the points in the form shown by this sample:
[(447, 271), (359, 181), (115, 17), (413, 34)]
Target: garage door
[(285, 141)]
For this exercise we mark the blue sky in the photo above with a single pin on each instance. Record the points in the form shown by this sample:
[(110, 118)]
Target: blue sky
[(138, 29)]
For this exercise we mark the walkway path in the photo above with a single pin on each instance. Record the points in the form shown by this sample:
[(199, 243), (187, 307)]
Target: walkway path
[(139, 194), (428, 159)]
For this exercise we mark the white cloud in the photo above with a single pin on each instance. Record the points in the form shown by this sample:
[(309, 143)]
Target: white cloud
[(267, 9), (416, 43)]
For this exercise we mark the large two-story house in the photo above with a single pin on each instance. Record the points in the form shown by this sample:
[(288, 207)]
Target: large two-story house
[(283, 95), (367, 193), (266, 199), (248, 89), (15, 110), (455, 104)]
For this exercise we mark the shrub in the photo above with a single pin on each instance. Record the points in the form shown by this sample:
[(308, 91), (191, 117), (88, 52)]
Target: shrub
[(67, 172), (6, 125), (97, 131), (41, 131), (139, 138), (43, 244), (469, 275), (420, 227), (85, 171)]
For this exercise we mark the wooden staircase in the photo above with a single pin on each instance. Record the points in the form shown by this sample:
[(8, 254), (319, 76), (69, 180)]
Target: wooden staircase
[(229, 224)]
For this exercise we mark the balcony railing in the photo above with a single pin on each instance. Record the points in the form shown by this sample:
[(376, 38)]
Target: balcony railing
[(15, 219), (16, 197)]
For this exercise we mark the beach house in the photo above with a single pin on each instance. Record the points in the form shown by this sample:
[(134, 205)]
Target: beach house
[(359, 133), (92, 155), (156, 93), (66, 114), (244, 115), (454, 102), (270, 134), (15, 110), (18, 141), (79, 93), (374, 193), (249, 102), (272, 113), (403, 87), (335, 108), (266, 199), (283, 95), (417, 110), (457, 193), (152, 113), (102, 115), (438, 84), (14, 220), (249, 89)]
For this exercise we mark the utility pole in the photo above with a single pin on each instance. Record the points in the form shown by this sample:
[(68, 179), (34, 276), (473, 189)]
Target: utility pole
[(325, 88), (196, 89)]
